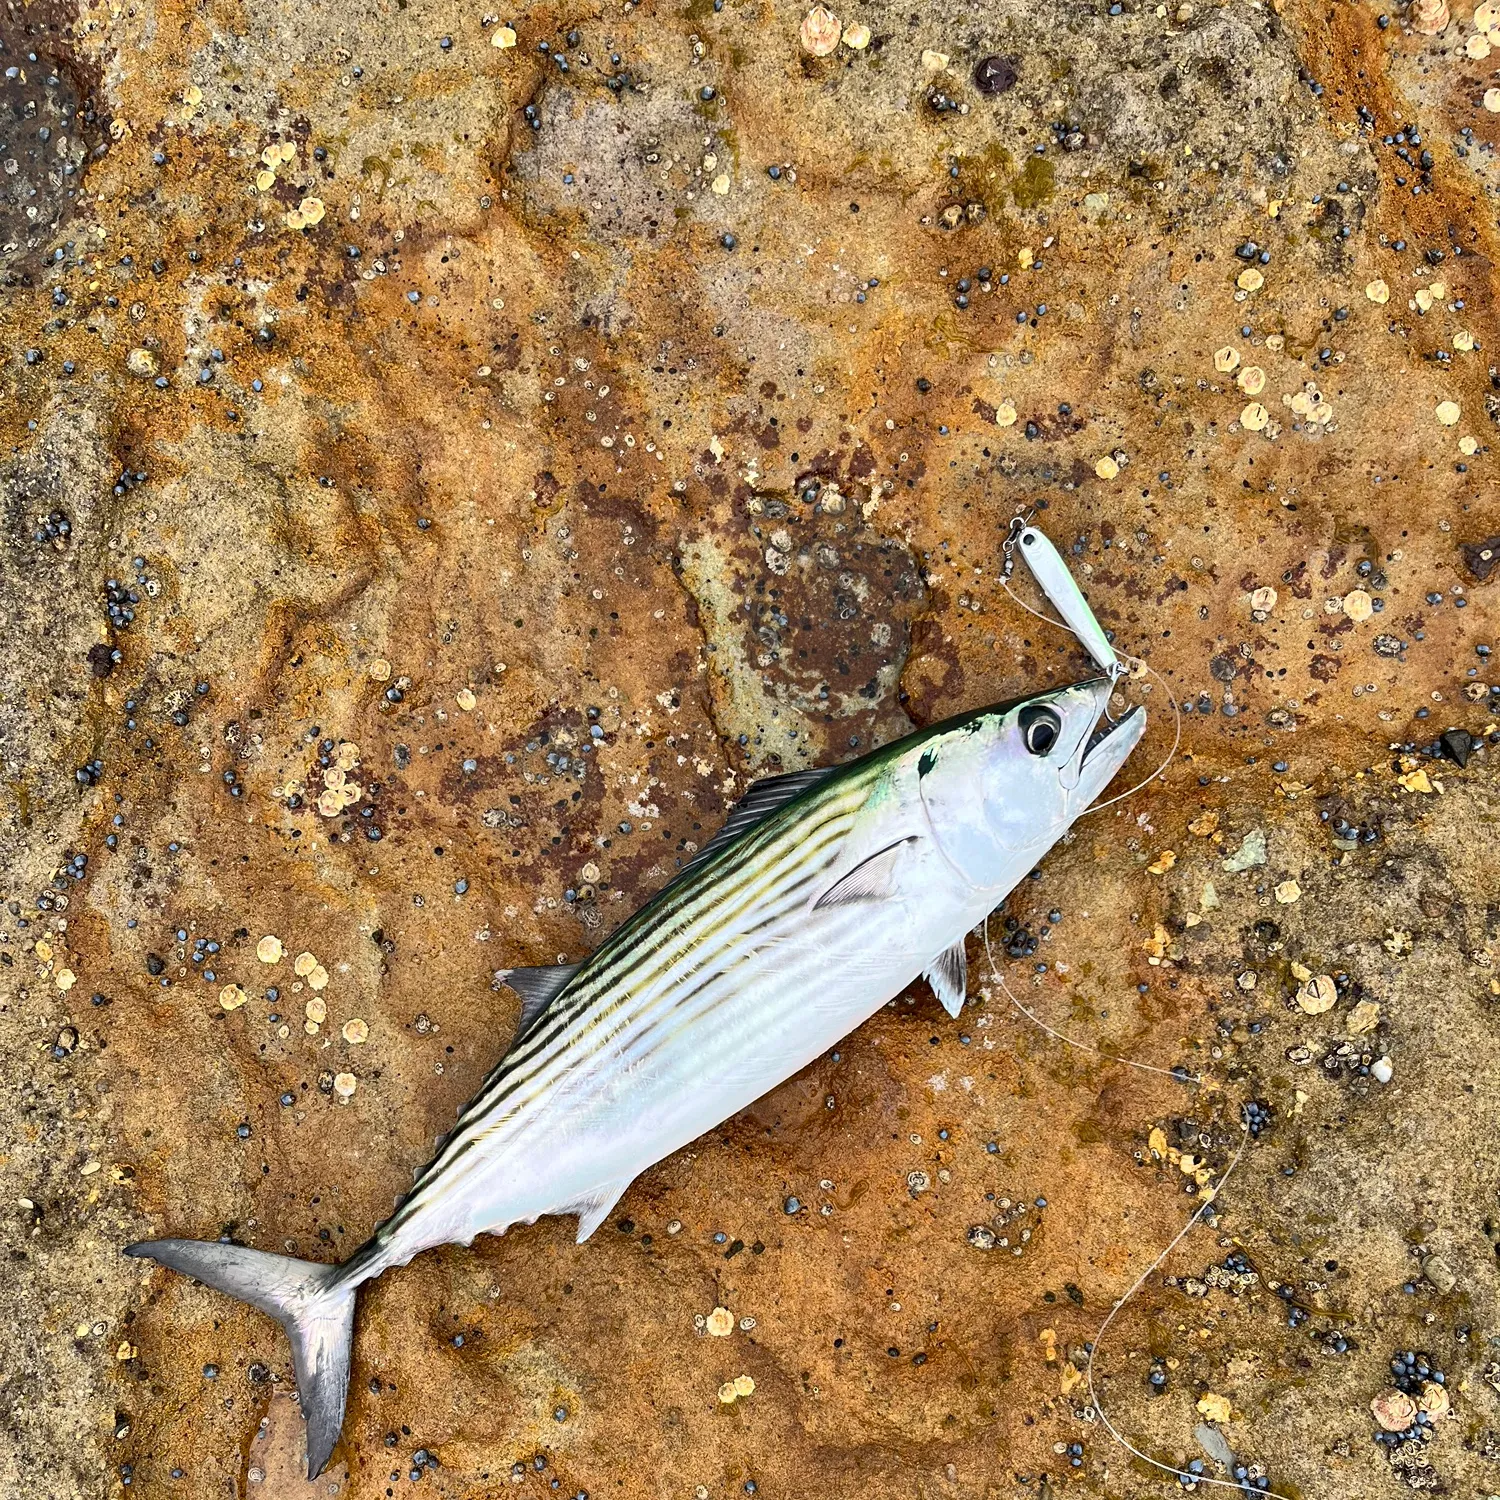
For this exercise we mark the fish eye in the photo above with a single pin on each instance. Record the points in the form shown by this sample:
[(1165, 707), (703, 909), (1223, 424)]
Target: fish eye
[(1040, 727)]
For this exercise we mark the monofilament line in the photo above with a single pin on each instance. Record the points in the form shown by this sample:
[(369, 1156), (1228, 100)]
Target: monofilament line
[(1182, 1234), (1180, 1075)]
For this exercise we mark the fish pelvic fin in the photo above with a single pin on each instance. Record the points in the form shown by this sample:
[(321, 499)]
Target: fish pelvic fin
[(313, 1303), (948, 974)]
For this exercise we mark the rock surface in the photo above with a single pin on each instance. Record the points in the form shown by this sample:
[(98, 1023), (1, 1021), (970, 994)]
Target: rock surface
[(438, 476)]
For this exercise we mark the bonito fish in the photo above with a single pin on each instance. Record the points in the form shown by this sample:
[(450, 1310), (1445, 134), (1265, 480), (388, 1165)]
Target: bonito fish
[(825, 894)]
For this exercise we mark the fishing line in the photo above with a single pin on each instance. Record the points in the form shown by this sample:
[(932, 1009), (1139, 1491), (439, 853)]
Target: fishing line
[(1209, 1199), (1190, 1479), (1193, 1479), (1180, 1075), (1171, 754), (1005, 584)]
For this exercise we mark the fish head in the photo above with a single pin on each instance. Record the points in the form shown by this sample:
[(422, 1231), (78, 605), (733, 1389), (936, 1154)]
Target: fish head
[(1007, 782)]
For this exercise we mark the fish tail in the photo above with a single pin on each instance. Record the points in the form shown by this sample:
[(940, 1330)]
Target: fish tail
[(313, 1303)]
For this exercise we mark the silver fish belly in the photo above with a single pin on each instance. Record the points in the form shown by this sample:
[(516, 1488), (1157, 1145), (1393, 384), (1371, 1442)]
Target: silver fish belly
[(827, 894)]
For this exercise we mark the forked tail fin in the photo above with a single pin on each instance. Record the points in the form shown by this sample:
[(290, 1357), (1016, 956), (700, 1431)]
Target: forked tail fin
[(315, 1304)]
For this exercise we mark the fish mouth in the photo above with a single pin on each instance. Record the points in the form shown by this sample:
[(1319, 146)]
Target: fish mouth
[(1104, 730), (1105, 747)]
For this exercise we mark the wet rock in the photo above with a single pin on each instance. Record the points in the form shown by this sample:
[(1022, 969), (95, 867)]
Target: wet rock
[(1480, 558), (996, 74), (582, 418), (52, 127), (1250, 854), (1439, 1273), (1458, 745)]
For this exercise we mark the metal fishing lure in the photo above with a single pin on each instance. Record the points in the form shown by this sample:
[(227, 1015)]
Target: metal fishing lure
[(1060, 587)]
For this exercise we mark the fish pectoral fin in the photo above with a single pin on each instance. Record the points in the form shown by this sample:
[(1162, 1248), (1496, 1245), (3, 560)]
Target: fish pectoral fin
[(870, 880), (593, 1208), (537, 987), (948, 974)]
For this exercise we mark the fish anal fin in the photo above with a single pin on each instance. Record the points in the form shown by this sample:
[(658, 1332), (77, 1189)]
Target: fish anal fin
[(593, 1208), (537, 987), (948, 974), (870, 880)]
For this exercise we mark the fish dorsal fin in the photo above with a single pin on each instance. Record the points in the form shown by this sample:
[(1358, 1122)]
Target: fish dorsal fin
[(948, 974), (537, 987), (870, 880), (593, 1208), (764, 797)]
